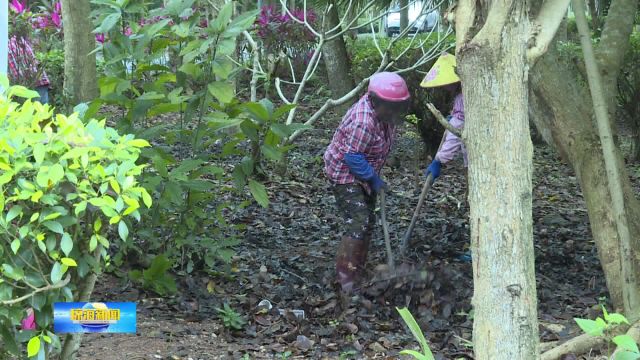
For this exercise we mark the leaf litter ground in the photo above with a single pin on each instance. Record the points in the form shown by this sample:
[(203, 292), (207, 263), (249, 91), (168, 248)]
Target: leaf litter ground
[(287, 257)]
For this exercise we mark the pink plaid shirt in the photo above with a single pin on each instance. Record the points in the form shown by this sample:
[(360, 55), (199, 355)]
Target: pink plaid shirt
[(452, 145), (359, 132), (23, 65)]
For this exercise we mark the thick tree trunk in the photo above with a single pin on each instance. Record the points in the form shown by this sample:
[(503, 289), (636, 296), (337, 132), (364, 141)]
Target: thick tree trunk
[(570, 127), (630, 293), (336, 60), (493, 71), (614, 44), (80, 78), (564, 116)]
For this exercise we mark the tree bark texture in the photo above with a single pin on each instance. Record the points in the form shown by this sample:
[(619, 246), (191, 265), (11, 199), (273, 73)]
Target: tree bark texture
[(614, 44), (80, 77), (630, 293), (569, 126), (493, 68), (336, 60)]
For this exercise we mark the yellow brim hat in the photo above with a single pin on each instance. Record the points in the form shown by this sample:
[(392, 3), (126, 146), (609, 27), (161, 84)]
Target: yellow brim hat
[(442, 72)]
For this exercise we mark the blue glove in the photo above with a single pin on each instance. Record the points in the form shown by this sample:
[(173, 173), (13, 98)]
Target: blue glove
[(433, 169), (361, 169)]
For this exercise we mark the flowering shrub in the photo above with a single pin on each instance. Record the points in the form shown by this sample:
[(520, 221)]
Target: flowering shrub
[(282, 33)]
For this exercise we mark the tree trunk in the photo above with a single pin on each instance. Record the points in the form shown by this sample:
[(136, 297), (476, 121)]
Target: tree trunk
[(494, 77), (593, 12), (568, 124), (570, 127), (336, 60), (614, 44), (630, 293), (404, 14), (80, 77)]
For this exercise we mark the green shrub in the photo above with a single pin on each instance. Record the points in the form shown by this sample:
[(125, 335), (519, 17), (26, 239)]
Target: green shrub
[(53, 63), (365, 59), (206, 141), (68, 190)]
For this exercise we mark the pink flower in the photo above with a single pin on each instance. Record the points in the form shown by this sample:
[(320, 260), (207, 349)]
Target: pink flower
[(56, 19), (41, 22), (100, 38), (58, 7), (128, 31), (18, 6)]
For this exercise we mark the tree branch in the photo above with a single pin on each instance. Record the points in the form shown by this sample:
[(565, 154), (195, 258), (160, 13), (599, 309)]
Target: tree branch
[(444, 121), (58, 285), (465, 16), (547, 23)]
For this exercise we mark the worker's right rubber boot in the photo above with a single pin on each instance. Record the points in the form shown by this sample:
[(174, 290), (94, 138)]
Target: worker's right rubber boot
[(352, 254)]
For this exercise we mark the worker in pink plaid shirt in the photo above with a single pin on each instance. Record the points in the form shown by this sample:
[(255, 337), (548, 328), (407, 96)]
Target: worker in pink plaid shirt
[(353, 162)]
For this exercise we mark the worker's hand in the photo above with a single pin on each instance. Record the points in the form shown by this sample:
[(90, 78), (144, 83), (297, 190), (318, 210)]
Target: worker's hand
[(433, 169), (377, 183)]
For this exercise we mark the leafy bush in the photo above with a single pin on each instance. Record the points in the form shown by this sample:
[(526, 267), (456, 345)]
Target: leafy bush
[(68, 190), (365, 59), (52, 62), (176, 67), (602, 327)]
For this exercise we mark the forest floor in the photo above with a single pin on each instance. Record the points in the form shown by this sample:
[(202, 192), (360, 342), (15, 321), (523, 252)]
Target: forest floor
[(287, 257)]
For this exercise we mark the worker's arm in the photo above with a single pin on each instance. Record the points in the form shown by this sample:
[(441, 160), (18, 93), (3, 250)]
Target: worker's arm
[(361, 169)]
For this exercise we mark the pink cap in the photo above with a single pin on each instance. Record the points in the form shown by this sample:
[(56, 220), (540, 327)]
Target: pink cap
[(389, 86)]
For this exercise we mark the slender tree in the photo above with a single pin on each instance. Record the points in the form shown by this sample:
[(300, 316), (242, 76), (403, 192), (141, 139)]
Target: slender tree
[(565, 120), (80, 77)]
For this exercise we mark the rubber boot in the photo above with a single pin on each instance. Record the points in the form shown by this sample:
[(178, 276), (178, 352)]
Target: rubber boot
[(349, 261)]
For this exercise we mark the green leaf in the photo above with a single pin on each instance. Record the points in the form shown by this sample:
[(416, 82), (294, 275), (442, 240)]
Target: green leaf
[(22, 92), (146, 198), (257, 111), (8, 338), (14, 273), (626, 355), (66, 244), (415, 354), (33, 347), (241, 23), (13, 213), (416, 331), (271, 152), (616, 318), (54, 226), (626, 342), (56, 173), (590, 327), (93, 243), (15, 246), (220, 23), (259, 193), (38, 152), (69, 262), (108, 23), (123, 230), (222, 91), (282, 110), (56, 273)]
